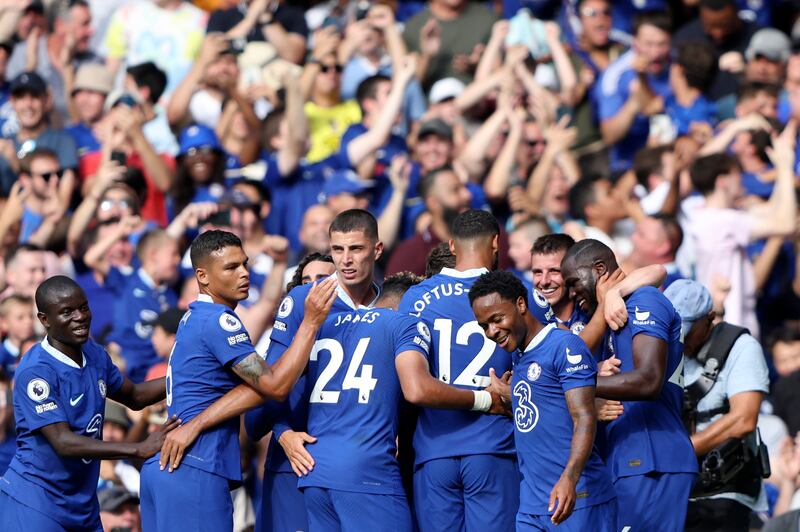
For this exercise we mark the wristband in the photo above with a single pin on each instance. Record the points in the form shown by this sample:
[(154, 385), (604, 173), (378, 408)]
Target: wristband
[(482, 402)]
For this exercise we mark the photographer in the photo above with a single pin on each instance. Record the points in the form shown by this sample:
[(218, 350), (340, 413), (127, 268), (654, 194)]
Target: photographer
[(725, 381)]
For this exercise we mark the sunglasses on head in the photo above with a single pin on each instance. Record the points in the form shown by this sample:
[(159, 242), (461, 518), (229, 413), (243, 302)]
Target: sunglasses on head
[(592, 12), (327, 68), (47, 175), (108, 204)]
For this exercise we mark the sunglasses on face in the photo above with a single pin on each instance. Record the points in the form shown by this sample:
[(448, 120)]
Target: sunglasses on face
[(592, 12), (327, 68), (47, 175), (534, 142), (108, 204), (201, 150)]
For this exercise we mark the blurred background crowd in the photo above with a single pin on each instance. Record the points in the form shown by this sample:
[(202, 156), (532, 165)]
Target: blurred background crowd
[(665, 129)]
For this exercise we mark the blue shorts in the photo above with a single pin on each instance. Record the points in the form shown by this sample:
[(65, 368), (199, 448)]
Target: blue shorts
[(186, 499), (656, 501), (478, 492), (16, 517), (283, 508), (597, 518), (348, 511)]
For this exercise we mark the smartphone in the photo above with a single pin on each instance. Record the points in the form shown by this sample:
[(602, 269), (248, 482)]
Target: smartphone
[(235, 46), (362, 9), (120, 157), (219, 219)]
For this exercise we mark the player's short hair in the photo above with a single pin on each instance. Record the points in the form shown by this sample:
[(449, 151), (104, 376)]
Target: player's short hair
[(16, 251), (705, 170), (397, 285), (698, 62), (438, 258), (588, 251), (658, 19), (151, 239), (355, 220), (552, 244), (474, 223), (150, 76), (209, 242), (428, 181), (368, 89), (10, 301), (297, 278), (500, 282), (53, 289)]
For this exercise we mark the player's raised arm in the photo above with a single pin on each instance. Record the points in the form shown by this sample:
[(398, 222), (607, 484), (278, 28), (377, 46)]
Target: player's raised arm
[(262, 380), (644, 382)]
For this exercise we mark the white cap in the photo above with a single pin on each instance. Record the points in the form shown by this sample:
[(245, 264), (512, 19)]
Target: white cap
[(444, 89)]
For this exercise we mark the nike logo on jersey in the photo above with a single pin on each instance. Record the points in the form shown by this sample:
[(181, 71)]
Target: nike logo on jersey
[(573, 359), (76, 400)]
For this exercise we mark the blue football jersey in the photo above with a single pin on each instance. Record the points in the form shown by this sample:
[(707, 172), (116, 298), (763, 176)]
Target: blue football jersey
[(577, 320), (293, 413), (50, 388), (139, 301), (553, 363), (460, 355), (650, 435), (354, 399), (210, 341)]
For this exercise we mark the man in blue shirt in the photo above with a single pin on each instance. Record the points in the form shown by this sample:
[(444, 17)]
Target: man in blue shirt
[(212, 355), (59, 404), (633, 88), (465, 462), (647, 450), (564, 481)]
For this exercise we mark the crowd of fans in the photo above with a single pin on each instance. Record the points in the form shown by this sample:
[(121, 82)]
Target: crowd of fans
[(666, 130)]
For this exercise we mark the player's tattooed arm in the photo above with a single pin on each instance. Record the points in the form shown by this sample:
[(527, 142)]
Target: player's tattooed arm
[(251, 369), (580, 402)]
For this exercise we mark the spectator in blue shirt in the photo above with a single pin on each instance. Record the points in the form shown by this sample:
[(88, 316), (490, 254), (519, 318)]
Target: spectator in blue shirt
[(93, 82), (690, 76), (16, 326), (201, 168), (633, 89)]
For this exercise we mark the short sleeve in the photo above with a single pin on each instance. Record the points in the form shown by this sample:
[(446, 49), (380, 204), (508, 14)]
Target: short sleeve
[(287, 321), (650, 313), (114, 378), (36, 397), (116, 42), (227, 338), (746, 368), (611, 96), (411, 335), (574, 363)]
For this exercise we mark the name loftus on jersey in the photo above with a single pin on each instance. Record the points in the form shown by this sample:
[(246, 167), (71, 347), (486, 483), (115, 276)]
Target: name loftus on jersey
[(354, 399), (650, 435), (460, 355), (51, 388), (555, 362)]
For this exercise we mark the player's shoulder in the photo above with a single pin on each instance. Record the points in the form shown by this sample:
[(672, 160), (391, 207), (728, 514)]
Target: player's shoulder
[(207, 318), (95, 353), (650, 297), (293, 301), (33, 359)]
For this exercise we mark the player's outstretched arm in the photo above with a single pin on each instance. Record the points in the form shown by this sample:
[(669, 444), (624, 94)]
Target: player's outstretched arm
[(580, 402), (422, 389), (644, 382), (138, 396), (263, 382), (70, 445)]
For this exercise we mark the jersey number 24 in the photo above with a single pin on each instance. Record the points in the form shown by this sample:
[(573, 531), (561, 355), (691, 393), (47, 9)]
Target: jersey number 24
[(364, 382)]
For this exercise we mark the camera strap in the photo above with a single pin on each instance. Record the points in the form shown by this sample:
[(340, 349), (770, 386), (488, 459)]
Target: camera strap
[(712, 358)]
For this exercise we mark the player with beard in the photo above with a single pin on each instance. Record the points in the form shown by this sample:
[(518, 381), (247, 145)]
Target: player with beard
[(466, 472), (59, 404), (647, 450)]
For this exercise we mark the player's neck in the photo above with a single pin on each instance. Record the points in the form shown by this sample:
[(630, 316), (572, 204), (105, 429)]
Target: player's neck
[(73, 352), (220, 300), (564, 308), (468, 261), (361, 294), (532, 328)]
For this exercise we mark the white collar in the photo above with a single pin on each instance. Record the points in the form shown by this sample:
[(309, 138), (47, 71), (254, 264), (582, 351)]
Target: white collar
[(10, 347), (61, 357), (344, 296), (204, 298), (474, 272), (540, 336), (146, 279)]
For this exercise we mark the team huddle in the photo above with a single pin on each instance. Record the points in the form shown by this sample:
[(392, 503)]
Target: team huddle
[(503, 399)]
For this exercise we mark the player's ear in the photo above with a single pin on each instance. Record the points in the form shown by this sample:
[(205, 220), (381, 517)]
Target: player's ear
[(496, 243), (201, 275), (600, 267), (378, 249), (522, 305), (43, 319), (452, 245)]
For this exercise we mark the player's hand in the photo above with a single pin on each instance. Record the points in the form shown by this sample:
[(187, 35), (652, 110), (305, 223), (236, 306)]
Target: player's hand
[(499, 406), (500, 385), (608, 410), (562, 499), (155, 439), (294, 445), (175, 445), (609, 367), (319, 301)]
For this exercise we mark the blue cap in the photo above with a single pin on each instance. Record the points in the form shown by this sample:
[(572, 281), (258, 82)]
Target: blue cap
[(691, 299), (345, 182), (30, 82), (197, 136)]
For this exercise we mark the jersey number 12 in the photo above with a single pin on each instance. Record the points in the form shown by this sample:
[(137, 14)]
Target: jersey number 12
[(468, 377)]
